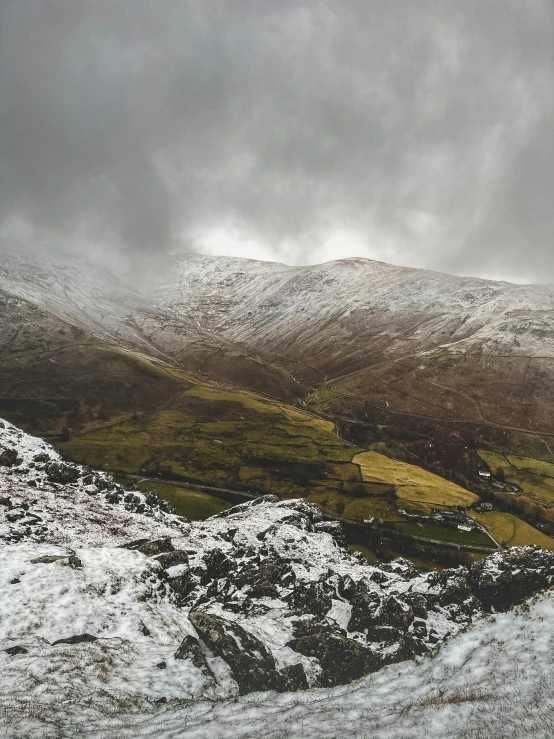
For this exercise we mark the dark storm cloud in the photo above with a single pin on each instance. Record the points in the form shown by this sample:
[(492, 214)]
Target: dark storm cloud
[(420, 130)]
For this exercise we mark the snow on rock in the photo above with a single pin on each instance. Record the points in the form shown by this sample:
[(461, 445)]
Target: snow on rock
[(42, 497), (270, 305), (120, 611)]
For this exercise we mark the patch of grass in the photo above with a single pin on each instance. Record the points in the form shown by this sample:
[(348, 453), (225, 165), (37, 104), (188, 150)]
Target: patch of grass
[(434, 530), (535, 477), (222, 438), (338, 503), (411, 482), (511, 531), (194, 504), (343, 471), (370, 555), (538, 466)]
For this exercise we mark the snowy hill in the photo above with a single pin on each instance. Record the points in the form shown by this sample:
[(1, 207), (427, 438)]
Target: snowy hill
[(272, 306), (71, 288), (463, 363), (122, 612)]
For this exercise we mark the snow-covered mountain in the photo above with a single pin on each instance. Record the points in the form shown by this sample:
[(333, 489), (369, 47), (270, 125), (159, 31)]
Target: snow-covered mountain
[(279, 308), (457, 360), (116, 614), (69, 287), (393, 345)]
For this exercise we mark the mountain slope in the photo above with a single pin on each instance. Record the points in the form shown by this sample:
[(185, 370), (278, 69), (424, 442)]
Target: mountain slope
[(453, 358), (427, 368), (101, 635)]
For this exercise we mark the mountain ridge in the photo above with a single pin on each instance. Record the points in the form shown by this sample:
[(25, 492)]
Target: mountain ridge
[(462, 362)]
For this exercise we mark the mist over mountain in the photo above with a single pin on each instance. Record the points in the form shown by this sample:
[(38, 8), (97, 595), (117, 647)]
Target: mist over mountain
[(276, 369), (301, 133), (355, 339)]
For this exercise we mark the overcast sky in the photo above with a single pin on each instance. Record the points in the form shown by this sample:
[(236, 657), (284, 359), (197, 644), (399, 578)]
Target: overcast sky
[(419, 132)]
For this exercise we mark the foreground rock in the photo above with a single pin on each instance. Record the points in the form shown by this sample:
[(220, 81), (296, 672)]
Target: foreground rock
[(262, 597)]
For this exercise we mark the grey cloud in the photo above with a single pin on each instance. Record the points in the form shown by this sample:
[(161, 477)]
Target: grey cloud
[(424, 129)]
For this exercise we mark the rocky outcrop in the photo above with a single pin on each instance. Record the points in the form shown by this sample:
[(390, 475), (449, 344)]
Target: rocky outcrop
[(9, 458), (151, 547), (70, 560), (252, 665), (190, 649), (268, 588), (334, 528), (62, 473), (76, 639), (508, 578), (341, 659), (310, 598)]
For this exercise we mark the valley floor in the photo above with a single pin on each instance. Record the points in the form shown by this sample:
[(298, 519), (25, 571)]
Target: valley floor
[(495, 681)]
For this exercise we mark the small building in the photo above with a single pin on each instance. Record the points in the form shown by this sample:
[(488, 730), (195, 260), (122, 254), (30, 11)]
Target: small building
[(465, 527)]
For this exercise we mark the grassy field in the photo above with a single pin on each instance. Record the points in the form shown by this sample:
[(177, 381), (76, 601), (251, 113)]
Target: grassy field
[(412, 483), (194, 504), (511, 531), (534, 476), (338, 502), (226, 439), (434, 530), (370, 555)]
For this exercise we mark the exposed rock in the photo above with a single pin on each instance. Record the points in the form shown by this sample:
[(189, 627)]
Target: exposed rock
[(178, 580), (383, 634), (9, 458), (334, 528), (507, 578), (171, 559), (292, 678), (393, 612), (342, 660), (272, 571), (245, 506), (15, 650), (218, 564), (15, 515), (311, 511), (252, 665), (62, 473), (70, 560), (401, 567), (113, 498), (452, 590), (151, 548), (228, 535), (418, 603), (311, 597), (77, 639), (264, 589), (346, 587), (364, 605), (190, 648)]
